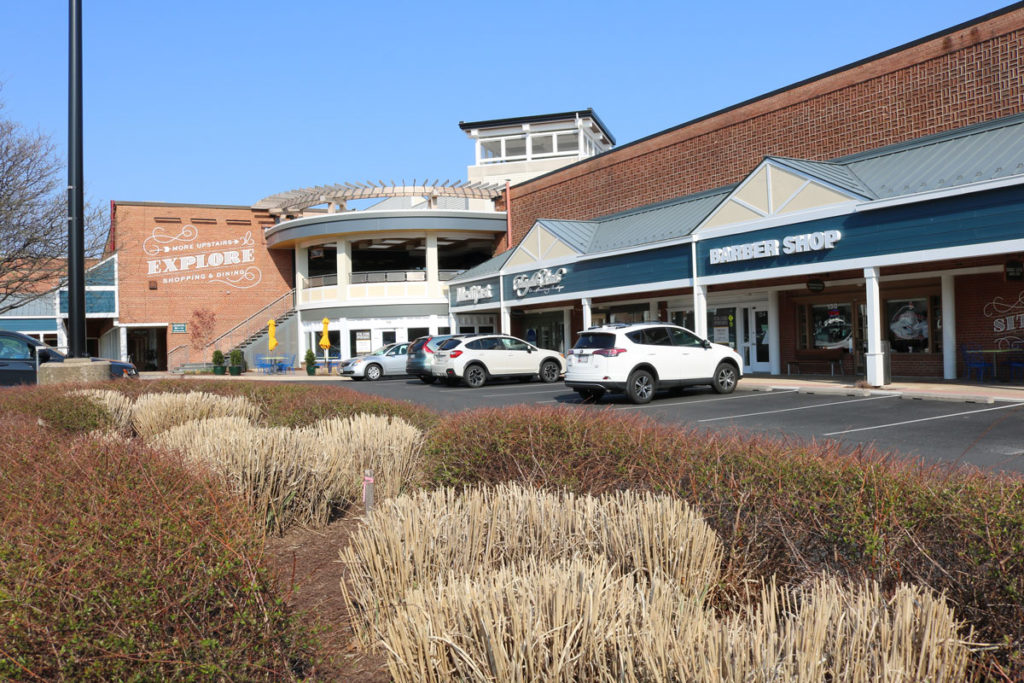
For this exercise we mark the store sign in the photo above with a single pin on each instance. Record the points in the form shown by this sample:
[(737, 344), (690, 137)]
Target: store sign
[(790, 244), (184, 258), (1007, 321), (473, 293), (541, 281), (179, 328)]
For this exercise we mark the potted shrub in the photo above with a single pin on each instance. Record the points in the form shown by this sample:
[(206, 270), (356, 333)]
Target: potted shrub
[(218, 362), (310, 362), (237, 362)]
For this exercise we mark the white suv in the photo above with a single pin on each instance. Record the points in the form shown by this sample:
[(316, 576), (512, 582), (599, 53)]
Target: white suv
[(476, 358), (641, 358)]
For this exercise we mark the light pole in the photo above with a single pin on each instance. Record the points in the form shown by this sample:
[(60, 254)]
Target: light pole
[(76, 211)]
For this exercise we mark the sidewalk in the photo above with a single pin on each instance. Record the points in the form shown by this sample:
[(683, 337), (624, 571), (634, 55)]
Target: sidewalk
[(910, 388)]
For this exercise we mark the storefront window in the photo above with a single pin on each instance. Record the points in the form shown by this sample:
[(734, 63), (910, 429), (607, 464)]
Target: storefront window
[(832, 326), (910, 324), (722, 326)]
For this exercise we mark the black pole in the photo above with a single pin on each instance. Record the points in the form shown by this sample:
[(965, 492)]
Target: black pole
[(76, 210)]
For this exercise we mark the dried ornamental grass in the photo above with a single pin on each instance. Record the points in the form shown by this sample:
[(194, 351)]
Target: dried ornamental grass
[(414, 540), (117, 404), (582, 619), (823, 632), (571, 620), (389, 446), (155, 413), (301, 476)]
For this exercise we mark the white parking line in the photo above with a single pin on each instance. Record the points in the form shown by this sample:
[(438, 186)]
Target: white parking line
[(522, 393), (789, 410), (683, 402), (924, 419)]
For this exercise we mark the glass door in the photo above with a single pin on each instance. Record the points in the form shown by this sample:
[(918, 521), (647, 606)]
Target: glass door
[(755, 339)]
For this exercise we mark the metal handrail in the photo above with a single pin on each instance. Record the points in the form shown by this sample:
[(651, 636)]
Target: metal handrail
[(171, 354), (258, 314)]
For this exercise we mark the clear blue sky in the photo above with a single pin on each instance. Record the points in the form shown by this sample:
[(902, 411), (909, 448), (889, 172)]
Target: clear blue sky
[(225, 102)]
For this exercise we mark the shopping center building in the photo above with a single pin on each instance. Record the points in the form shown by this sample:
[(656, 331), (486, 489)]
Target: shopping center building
[(877, 205), (866, 220)]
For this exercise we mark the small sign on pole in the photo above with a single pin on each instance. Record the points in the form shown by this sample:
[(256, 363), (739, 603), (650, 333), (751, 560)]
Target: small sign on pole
[(368, 491)]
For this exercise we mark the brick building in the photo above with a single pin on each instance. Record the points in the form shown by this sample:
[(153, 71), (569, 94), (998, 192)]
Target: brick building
[(176, 259), (876, 205)]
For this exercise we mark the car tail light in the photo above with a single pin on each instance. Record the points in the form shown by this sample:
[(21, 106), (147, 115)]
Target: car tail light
[(455, 354), (611, 353)]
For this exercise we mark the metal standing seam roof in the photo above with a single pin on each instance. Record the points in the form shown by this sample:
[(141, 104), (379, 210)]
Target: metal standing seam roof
[(488, 268), (576, 234), (986, 151), (837, 175), (656, 223)]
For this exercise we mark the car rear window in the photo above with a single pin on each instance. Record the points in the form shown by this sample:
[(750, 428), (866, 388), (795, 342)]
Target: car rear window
[(450, 344), (595, 340), (417, 345)]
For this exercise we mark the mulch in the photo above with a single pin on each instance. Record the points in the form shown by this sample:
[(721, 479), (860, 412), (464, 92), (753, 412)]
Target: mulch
[(310, 573)]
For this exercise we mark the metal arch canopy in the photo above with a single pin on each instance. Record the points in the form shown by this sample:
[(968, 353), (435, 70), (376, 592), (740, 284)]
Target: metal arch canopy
[(297, 200)]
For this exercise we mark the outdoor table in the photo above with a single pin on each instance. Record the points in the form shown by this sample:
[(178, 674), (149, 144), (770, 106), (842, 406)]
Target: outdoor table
[(274, 360), (995, 359)]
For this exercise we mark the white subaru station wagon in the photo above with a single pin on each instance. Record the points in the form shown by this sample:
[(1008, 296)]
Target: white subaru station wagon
[(638, 359)]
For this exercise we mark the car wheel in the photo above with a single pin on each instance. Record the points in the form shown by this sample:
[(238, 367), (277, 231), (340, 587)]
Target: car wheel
[(640, 386), (549, 371), (591, 395), (373, 372), (725, 378), (475, 376), (428, 379)]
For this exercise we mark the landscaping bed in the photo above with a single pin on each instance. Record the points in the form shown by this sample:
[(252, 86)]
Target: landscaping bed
[(140, 543)]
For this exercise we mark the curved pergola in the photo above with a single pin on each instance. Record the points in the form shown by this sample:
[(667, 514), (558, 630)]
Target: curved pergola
[(335, 196)]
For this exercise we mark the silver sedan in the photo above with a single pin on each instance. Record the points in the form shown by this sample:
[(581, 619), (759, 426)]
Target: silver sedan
[(388, 360)]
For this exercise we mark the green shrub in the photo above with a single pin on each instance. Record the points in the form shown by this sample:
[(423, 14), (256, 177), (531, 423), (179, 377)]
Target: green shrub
[(117, 564), (57, 408), (218, 357)]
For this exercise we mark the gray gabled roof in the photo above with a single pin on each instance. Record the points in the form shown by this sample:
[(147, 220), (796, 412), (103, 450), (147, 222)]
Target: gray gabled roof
[(576, 234), (985, 151), (486, 269), (835, 174), (656, 223)]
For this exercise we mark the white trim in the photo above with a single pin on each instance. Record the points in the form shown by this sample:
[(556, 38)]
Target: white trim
[(778, 220), (142, 324), (647, 288), (902, 258)]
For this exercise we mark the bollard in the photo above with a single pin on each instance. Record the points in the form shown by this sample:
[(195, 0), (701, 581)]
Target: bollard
[(368, 491)]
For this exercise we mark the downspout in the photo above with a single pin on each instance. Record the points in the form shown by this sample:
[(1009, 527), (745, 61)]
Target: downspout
[(508, 215)]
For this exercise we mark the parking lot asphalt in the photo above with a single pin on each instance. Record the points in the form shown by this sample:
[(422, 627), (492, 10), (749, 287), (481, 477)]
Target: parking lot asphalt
[(936, 422)]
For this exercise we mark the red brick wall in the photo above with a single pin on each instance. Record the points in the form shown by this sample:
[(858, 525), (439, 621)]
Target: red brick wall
[(146, 234), (964, 77), (980, 301)]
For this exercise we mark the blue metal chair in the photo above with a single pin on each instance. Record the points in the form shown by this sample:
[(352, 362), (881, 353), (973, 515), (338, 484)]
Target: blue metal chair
[(286, 365), (1016, 364), (263, 365), (974, 359)]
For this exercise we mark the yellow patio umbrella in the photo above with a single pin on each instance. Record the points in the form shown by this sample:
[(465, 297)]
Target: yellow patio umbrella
[(272, 343), (325, 341)]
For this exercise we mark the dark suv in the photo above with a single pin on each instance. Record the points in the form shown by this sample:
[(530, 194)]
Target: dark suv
[(420, 356), (21, 355)]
